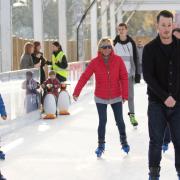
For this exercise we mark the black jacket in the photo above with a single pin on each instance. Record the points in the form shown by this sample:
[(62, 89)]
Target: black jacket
[(36, 60), (161, 71), (63, 64)]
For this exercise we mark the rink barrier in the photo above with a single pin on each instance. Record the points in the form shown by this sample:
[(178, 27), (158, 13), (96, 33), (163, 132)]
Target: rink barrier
[(14, 95)]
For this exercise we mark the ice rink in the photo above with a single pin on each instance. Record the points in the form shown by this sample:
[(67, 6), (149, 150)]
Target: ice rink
[(63, 149)]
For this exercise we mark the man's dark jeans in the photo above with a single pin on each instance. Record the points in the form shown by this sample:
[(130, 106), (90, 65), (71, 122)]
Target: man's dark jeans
[(158, 116), (167, 135)]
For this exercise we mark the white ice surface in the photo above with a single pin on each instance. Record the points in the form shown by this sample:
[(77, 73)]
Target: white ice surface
[(63, 149)]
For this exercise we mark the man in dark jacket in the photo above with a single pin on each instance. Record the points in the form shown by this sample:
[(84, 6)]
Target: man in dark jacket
[(167, 136), (125, 47), (161, 71)]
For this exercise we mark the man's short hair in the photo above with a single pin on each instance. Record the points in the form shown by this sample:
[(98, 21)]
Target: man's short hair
[(123, 25), (164, 13), (176, 30)]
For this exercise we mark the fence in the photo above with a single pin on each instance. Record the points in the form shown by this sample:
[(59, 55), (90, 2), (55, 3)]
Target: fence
[(18, 45), (21, 113)]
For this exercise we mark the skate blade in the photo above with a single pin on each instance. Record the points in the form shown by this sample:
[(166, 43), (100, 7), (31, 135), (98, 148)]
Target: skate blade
[(135, 127), (126, 150), (126, 153), (100, 157)]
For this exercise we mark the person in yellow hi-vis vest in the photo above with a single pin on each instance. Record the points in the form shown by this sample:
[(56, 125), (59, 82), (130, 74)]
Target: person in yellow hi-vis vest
[(59, 62)]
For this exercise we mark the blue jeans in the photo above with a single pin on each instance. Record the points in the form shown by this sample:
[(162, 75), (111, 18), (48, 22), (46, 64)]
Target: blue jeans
[(158, 117), (102, 112), (167, 135)]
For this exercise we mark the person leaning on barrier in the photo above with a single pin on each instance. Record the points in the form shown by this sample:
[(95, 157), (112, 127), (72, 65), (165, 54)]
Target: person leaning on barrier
[(111, 88), (31, 86), (26, 61), (59, 62), (38, 57)]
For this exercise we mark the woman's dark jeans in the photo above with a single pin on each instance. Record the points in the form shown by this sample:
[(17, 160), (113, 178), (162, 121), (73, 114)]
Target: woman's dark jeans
[(102, 111)]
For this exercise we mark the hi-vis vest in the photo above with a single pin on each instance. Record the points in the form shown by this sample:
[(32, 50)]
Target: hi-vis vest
[(57, 69)]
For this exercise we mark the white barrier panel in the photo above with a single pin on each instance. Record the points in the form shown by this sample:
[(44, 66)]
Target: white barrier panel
[(75, 71), (22, 107), (14, 94)]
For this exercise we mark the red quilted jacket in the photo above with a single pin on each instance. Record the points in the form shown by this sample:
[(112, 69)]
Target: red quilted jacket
[(111, 79)]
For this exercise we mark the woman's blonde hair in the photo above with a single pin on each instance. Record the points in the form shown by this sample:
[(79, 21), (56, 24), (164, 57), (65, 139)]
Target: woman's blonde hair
[(27, 48), (103, 42)]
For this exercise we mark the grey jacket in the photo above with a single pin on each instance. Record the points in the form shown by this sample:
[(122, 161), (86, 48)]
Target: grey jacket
[(125, 51), (26, 62)]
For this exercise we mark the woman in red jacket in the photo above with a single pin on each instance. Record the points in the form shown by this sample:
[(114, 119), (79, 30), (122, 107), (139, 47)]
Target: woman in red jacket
[(111, 88)]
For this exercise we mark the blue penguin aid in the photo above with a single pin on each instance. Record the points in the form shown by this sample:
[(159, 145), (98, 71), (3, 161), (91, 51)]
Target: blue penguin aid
[(50, 107), (63, 100)]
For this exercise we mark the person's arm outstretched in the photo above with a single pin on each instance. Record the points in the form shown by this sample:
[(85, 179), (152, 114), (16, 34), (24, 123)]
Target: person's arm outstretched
[(83, 80)]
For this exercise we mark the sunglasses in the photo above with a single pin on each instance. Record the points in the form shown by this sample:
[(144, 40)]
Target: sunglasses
[(106, 47)]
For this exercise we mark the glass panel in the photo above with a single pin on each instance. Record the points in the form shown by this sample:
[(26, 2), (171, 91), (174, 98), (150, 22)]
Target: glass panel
[(22, 18), (20, 101), (74, 12), (50, 19)]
